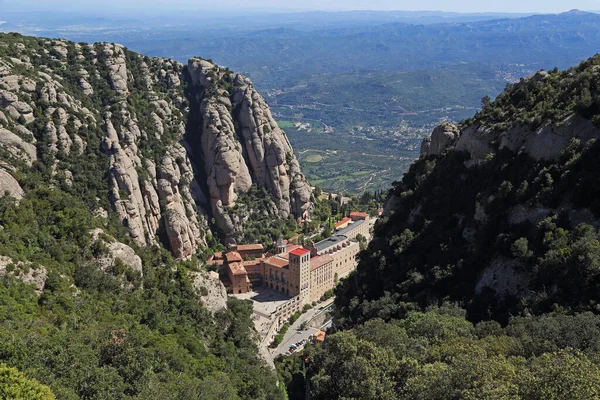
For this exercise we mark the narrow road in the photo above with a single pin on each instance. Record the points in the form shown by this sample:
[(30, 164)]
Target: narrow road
[(293, 336)]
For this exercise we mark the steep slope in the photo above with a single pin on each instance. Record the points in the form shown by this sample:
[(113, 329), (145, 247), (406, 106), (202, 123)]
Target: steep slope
[(500, 214), (64, 102)]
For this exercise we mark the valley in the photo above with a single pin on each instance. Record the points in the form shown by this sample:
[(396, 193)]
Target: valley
[(360, 205), (390, 77)]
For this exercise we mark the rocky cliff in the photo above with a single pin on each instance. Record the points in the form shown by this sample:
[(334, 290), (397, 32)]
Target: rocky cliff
[(539, 116), (174, 144), (242, 145)]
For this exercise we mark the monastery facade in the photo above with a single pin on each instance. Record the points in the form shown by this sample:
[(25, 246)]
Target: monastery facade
[(303, 273)]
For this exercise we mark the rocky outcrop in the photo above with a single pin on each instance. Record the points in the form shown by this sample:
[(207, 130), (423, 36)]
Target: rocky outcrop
[(29, 273), (17, 147), (175, 183), (443, 136), (505, 276), (211, 291), (113, 57), (116, 251), (9, 186), (546, 142), (242, 145)]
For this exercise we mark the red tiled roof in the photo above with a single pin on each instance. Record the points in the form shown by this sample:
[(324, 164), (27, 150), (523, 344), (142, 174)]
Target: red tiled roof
[(251, 263), (249, 247), (358, 214), (320, 336), (319, 261), (291, 247), (299, 252), (237, 268), (233, 256), (342, 222), (277, 261)]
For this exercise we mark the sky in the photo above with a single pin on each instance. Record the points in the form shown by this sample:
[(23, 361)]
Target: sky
[(117, 6)]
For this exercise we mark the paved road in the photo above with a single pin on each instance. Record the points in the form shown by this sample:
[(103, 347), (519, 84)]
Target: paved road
[(293, 336)]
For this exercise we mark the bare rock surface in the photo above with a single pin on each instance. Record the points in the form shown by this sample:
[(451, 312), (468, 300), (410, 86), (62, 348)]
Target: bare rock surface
[(9, 186), (443, 136), (17, 147), (159, 186), (244, 148), (31, 274), (505, 276), (211, 291), (116, 251)]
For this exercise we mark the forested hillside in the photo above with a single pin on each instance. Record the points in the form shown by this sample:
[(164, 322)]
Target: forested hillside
[(482, 280)]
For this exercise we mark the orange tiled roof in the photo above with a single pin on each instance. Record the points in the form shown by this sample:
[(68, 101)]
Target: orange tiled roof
[(251, 263), (237, 268), (319, 261), (320, 336), (358, 214), (249, 247), (292, 247), (342, 222), (233, 256), (277, 261)]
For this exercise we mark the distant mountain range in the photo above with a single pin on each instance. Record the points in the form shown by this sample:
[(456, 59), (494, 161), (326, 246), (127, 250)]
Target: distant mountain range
[(378, 79)]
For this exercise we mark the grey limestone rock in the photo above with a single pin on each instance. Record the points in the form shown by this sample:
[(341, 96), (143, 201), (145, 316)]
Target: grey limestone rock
[(24, 271), (211, 291), (10, 186), (244, 148), (443, 136), (17, 146), (116, 251)]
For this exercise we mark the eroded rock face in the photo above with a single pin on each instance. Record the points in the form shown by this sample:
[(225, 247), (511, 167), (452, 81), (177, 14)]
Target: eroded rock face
[(17, 147), (116, 251), (159, 186), (505, 276), (175, 182), (9, 186), (443, 136), (546, 142), (211, 291), (242, 145), (31, 274)]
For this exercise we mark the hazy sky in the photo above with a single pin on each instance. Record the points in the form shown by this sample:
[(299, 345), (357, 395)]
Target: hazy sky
[(540, 6)]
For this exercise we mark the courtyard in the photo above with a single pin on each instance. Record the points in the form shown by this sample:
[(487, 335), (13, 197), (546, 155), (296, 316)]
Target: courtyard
[(265, 302)]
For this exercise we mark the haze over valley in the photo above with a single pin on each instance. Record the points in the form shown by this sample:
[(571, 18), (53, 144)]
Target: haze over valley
[(355, 91)]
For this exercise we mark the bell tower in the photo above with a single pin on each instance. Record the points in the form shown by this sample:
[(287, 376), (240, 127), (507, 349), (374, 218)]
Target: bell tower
[(300, 273), (281, 246)]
